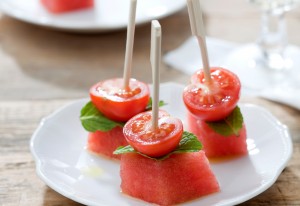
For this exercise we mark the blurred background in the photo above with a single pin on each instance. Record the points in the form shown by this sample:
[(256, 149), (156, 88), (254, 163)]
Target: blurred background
[(49, 60)]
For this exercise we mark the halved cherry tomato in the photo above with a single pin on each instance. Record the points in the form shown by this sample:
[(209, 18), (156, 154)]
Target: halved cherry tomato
[(140, 135), (117, 103), (213, 101)]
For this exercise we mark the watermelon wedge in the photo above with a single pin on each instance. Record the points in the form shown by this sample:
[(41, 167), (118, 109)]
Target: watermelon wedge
[(59, 6), (216, 145), (105, 143), (179, 178)]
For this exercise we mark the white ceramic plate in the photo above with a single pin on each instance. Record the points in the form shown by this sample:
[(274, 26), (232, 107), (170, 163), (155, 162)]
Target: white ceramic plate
[(105, 16), (58, 146)]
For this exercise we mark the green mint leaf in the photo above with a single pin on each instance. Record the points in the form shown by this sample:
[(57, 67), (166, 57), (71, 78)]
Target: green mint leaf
[(149, 105), (188, 143), (93, 120), (124, 149), (231, 125), (129, 149)]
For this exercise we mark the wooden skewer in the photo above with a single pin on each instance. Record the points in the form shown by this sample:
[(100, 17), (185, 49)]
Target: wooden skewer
[(155, 59), (129, 44), (197, 27)]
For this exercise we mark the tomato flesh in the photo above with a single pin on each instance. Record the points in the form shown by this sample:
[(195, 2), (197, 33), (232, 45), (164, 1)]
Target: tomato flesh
[(58, 6), (157, 142), (117, 103), (215, 100)]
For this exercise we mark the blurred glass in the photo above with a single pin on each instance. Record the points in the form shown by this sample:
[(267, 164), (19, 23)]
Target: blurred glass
[(269, 60)]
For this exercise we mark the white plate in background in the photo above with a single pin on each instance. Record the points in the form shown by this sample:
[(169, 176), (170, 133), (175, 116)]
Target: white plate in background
[(106, 15)]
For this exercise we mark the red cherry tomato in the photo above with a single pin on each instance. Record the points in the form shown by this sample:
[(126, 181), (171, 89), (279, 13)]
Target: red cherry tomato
[(117, 103), (140, 135), (213, 101)]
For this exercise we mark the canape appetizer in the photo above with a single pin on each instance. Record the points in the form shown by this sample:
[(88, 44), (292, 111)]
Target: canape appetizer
[(211, 99), (110, 107), (213, 113), (60, 6), (165, 166), (113, 102)]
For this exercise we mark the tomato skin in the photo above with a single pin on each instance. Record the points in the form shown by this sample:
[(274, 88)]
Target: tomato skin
[(214, 101), (59, 6), (139, 134), (118, 104)]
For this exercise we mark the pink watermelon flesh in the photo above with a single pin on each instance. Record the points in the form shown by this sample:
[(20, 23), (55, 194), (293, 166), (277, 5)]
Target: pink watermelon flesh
[(179, 178), (216, 145), (59, 6), (105, 143)]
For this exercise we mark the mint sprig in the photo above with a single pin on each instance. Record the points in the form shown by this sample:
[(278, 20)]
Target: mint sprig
[(92, 119), (231, 125), (149, 105), (188, 143)]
